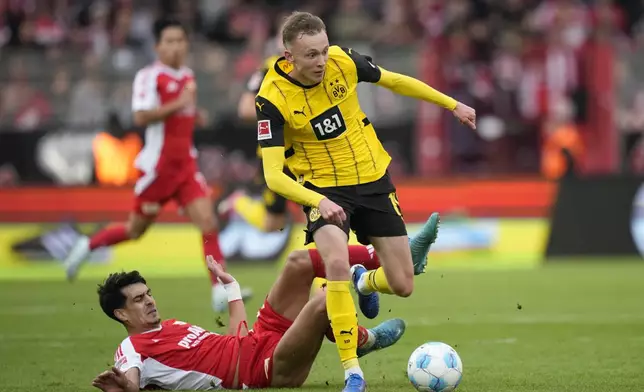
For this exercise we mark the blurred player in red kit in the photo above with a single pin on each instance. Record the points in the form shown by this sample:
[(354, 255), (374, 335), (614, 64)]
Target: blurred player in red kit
[(163, 101), (277, 352)]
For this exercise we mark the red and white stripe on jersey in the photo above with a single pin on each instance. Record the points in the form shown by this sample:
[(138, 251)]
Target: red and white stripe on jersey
[(179, 355), (168, 143), (126, 356)]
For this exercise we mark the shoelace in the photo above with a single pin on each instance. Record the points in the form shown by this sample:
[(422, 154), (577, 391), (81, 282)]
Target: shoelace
[(354, 380)]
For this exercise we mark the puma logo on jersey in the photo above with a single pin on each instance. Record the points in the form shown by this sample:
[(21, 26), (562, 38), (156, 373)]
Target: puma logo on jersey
[(300, 112), (259, 105), (349, 332)]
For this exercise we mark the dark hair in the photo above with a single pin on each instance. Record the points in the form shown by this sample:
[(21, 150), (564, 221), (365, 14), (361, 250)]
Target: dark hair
[(110, 295), (163, 24), (301, 23)]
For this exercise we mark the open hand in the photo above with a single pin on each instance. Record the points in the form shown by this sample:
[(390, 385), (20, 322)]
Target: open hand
[(112, 380), (465, 115), (218, 270)]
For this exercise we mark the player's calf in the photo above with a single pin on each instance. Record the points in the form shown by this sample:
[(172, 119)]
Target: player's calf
[(396, 276), (135, 227), (403, 286), (206, 224), (135, 231)]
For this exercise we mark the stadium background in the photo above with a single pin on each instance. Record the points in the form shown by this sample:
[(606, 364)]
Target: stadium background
[(557, 86), (553, 171)]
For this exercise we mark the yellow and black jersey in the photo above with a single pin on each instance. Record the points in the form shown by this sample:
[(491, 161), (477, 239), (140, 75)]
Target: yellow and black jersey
[(256, 79), (329, 140), (320, 132)]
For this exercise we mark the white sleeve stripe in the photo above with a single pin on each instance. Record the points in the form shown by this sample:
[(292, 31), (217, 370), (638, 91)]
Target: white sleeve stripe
[(144, 89), (127, 357)]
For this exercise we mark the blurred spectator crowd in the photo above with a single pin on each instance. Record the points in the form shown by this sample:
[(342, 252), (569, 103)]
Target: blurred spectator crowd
[(70, 63)]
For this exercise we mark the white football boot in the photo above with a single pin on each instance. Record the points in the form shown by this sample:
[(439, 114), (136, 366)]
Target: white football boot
[(77, 256)]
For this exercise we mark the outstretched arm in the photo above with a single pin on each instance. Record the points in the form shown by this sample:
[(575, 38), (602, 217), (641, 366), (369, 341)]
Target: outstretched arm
[(236, 308), (410, 87), (414, 88)]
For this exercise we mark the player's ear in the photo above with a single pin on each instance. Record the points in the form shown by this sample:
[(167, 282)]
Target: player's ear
[(121, 315), (288, 55)]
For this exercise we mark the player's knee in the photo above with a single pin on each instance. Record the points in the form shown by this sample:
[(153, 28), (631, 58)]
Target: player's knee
[(402, 287), (299, 263), (134, 231), (273, 223), (207, 224), (337, 268)]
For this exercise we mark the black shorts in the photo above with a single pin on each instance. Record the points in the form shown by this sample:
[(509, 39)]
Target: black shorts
[(372, 210), (274, 203)]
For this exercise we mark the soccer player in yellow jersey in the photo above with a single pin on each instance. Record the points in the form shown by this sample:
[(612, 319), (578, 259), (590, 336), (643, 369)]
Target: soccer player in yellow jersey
[(308, 116), (269, 214)]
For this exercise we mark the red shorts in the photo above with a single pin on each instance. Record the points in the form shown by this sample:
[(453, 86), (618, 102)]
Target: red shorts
[(154, 189), (256, 349)]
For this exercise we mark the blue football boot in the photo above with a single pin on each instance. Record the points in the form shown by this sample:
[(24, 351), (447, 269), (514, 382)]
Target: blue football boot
[(384, 335), (369, 303), (355, 383)]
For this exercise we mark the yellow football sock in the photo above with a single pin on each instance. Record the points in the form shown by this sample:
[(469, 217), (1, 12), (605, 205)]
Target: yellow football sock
[(375, 280), (318, 285), (253, 211), (319, 282), (344, 321)]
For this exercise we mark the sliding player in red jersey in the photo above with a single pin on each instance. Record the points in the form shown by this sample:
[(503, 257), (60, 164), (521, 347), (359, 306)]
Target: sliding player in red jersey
[(164, 101), (277, 352)]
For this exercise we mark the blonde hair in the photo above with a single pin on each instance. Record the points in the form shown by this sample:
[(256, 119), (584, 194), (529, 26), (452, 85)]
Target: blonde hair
[(300, 23)]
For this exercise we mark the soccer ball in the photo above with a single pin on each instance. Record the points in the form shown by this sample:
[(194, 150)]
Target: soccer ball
[(435, 366)]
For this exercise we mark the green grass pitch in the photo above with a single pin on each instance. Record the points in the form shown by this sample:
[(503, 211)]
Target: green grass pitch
[(569, 327)]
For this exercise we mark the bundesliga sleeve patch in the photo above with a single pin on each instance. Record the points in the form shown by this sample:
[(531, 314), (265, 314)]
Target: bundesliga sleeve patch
[(264, 130)]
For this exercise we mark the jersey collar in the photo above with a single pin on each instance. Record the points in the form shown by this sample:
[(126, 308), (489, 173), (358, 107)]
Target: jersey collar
[(177, 73), (287, 77)]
